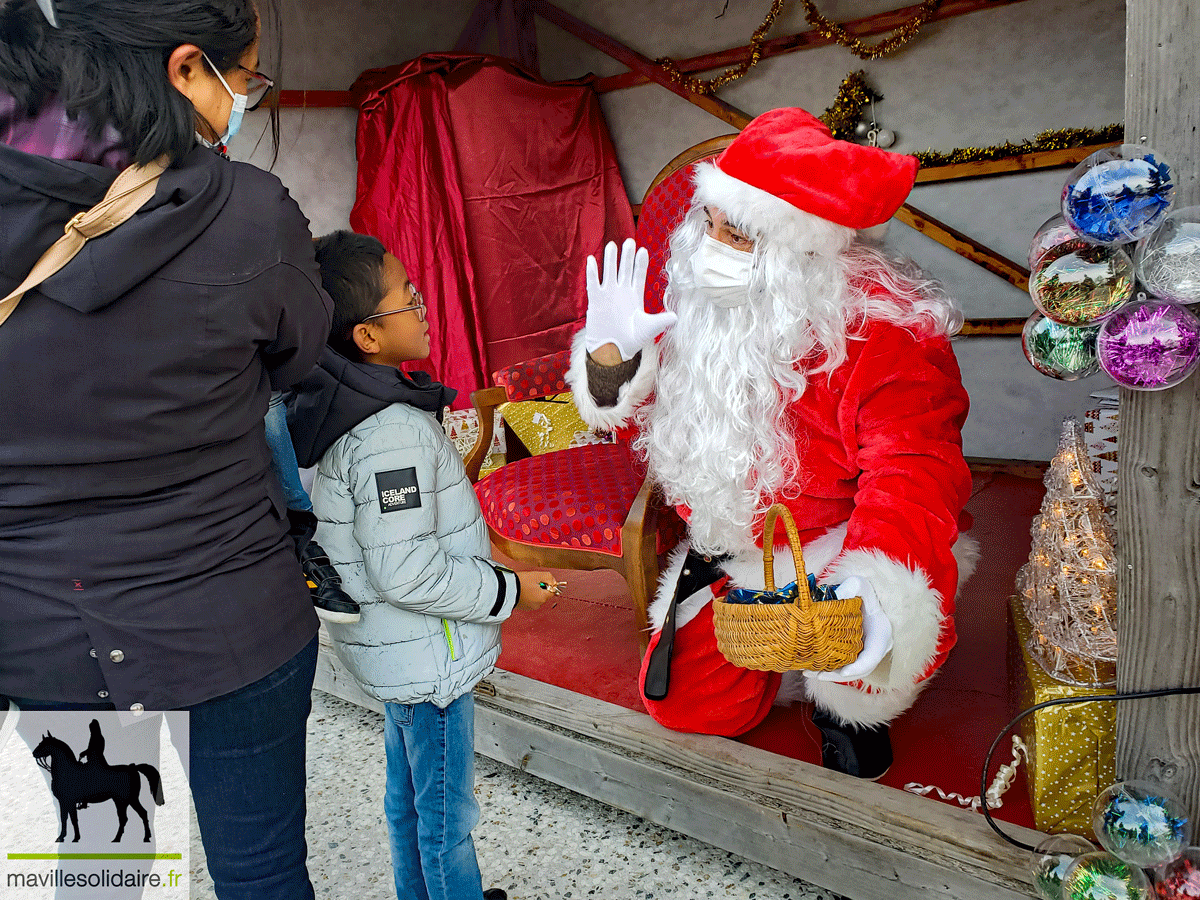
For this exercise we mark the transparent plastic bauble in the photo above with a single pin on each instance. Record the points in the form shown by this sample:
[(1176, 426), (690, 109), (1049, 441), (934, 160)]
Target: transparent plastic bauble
[(1052, 858), (1077, 283), (1140, 823), (1180, 878), (1065, 352), (1052, 232), (1118, 194), (1149, 345), (1167, 261), (1101, 876)]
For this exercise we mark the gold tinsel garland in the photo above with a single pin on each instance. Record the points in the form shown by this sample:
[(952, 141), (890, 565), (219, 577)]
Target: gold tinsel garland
[(1056, 139), (709, 85), (832, 31), (847, 111)]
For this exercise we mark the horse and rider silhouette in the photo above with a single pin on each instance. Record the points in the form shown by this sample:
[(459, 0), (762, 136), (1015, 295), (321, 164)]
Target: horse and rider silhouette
[(90, 779)]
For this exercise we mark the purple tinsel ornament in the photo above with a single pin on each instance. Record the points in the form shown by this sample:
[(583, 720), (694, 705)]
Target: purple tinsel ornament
[(1148, 345)]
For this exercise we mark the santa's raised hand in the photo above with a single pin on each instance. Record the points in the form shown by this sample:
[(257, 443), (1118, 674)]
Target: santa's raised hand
[(616, 312)]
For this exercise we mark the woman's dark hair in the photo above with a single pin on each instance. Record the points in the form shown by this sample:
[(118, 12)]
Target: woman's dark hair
[(352, 274), (107, 62)]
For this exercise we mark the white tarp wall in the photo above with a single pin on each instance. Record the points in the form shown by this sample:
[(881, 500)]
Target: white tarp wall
[(971, 81)]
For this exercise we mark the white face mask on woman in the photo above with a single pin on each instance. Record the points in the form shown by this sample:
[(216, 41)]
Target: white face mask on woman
[(722, 272), (235, 114)]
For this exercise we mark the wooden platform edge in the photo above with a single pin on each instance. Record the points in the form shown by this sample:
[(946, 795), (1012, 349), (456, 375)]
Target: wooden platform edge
[(862, 840)]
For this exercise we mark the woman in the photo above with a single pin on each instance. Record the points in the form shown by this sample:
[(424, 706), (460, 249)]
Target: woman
[(144, 556)]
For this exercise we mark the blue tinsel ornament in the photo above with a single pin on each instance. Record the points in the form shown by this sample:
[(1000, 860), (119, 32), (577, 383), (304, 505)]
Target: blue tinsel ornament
[(1118, 195)]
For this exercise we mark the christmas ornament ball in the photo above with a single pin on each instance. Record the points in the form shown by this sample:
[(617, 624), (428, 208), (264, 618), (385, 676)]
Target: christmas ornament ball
[(1118, 194), (1140, 823), (1167, 261), (1077, 283), (1065, 352), (1101, 876), (1149, 345), (1180, 878), (1052, 858), (1050, 234)]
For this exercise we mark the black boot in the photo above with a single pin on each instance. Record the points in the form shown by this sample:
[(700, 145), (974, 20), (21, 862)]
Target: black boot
[(324, 584), (853, 749), (494, 894)]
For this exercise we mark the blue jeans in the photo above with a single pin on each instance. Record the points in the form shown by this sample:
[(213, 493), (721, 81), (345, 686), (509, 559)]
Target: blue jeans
[(283, 454), (246, 761), (430, 799)]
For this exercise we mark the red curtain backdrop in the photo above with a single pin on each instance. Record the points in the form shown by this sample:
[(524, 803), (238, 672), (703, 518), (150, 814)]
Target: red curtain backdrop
[(492, 187)]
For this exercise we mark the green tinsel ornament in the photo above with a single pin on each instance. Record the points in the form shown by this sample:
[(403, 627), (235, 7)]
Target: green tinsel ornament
[(1101, 876), (1065, 352)]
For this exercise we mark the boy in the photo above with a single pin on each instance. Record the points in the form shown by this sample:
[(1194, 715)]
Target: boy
[(401, 523)]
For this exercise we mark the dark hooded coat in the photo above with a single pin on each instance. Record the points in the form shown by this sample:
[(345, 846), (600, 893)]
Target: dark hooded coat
[(144, 556)]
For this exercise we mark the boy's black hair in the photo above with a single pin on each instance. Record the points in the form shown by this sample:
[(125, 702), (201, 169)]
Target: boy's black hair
[(352, 274), (107, 63)]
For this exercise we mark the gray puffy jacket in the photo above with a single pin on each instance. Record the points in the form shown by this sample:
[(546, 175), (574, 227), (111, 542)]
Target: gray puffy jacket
[(401, 523)]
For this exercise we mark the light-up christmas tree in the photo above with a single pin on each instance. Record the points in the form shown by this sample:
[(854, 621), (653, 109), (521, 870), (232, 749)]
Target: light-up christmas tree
[(1069, 585)]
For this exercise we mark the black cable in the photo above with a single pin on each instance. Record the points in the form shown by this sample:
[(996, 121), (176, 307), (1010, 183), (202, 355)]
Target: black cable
[(987, 762)]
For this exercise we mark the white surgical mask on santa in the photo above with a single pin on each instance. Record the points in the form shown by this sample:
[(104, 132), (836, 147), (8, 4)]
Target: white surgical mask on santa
[(722, 272)]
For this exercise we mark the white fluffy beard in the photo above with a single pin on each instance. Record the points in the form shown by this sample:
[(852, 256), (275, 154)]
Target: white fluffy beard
[(716, 434)]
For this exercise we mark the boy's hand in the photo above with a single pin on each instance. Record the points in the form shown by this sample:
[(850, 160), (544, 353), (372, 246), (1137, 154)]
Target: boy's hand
[(536, 589)]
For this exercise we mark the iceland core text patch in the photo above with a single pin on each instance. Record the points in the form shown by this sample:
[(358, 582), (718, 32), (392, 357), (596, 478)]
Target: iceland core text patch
[(398, 490)]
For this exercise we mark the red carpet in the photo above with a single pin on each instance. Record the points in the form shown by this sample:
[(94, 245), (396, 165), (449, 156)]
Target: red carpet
[(585, 642)]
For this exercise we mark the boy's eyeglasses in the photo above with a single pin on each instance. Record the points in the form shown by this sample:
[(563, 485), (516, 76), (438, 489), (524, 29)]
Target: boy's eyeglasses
[(258, 86), (419, 306)]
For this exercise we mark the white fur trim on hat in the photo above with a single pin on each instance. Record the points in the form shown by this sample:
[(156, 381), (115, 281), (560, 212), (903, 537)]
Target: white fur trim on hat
[(631, 395), (753, 209)]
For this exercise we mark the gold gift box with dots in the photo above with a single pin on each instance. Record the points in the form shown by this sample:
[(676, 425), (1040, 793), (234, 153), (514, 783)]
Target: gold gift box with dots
[(1071, 747)]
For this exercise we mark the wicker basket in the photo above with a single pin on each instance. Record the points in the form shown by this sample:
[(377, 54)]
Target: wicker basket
[(799, 633)]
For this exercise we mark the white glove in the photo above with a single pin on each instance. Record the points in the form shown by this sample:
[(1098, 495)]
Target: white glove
[(877, 633), (616, 312)]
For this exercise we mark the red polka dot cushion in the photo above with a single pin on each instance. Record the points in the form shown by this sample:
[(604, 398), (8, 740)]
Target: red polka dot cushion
[(577, 498), (536, 377)]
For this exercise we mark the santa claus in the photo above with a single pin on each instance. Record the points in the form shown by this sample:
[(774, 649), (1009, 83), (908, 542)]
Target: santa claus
[(797, 364)]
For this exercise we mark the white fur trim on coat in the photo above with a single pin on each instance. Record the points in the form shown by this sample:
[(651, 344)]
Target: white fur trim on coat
[(631, 395)]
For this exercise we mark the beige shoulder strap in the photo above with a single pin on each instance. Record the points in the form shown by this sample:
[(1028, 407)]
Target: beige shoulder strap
[(129, 193)]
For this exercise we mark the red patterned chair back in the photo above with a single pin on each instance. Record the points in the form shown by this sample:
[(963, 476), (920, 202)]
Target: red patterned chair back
[(663, 208)]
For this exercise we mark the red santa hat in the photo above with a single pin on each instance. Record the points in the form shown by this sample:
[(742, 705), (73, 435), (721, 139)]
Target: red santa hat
[(787, 160)]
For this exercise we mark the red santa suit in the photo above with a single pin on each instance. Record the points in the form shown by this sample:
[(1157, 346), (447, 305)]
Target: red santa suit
[(879, 483)]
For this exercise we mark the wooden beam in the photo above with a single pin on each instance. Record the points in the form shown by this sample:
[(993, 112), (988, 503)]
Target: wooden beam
[(1011, 165), (471, 37), (637, 62), (1158, 510), (807, 40), (316, 100), (1014, 274), (992, 327), (518, 40)]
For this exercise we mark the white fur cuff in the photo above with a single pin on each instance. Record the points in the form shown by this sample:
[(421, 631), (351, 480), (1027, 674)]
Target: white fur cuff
[(912, 606), (631, 395)]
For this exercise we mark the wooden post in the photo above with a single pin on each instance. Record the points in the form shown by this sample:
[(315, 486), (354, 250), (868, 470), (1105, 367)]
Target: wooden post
[(1158, 516)]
